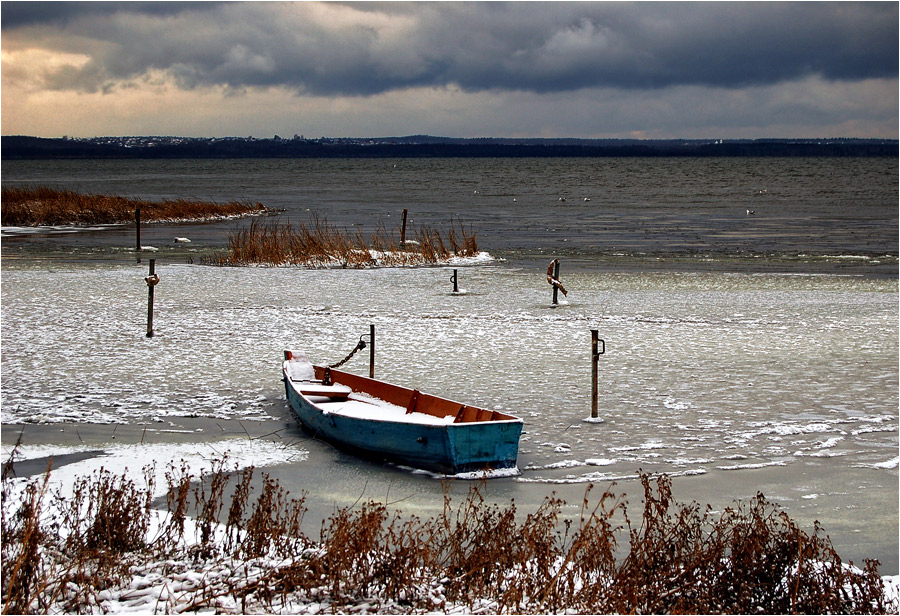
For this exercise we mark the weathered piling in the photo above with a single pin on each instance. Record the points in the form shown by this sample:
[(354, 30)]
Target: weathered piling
[(553, 280), (455, 280), (403, 229), (152, 280), (556, 278), (137, 232)]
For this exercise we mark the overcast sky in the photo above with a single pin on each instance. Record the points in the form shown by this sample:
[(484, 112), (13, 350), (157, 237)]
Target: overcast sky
[(520, 69)]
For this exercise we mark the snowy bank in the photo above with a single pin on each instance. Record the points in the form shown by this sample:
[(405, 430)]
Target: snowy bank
[(98, 547)]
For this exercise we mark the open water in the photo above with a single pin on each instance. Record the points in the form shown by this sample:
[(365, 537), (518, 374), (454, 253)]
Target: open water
[(745, 352)]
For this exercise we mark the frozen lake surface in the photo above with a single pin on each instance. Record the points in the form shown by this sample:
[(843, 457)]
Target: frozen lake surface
[(733, 383)]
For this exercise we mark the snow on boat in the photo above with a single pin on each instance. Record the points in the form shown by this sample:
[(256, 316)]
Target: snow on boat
[(382, 421)]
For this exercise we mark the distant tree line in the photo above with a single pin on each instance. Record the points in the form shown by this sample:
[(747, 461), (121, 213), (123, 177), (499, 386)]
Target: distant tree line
[(23, 147)]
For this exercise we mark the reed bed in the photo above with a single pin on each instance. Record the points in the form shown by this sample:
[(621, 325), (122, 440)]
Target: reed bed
[(42, 206), (104, 550), (318, 244)]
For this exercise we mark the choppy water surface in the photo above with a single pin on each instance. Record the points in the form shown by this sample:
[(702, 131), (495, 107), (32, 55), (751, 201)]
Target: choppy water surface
[(603, 208), (734, 381)]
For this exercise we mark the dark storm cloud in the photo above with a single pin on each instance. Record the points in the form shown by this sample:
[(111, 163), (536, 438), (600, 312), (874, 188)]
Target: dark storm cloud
[(369, 48), (17, 14)]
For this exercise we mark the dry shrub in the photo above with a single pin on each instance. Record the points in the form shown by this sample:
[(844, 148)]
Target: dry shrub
[(368, 555), (475, 556), (752, 559), (274, 525), (462, 240), (478, 546), (351, 546), (178, 480), (235, 523), (404, 571), (318, 244), (105, 516), (31, 207), (23, 539), (586, 570), (105, 523), (208, 498)]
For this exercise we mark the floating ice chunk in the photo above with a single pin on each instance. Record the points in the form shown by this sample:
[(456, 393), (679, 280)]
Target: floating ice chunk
[(599, 461), (738, 467), (684, 461), (830, 442), (491, 474), (892, 463)]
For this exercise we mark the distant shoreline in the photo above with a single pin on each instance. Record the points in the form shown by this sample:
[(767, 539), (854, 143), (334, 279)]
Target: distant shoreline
[(24, 147)]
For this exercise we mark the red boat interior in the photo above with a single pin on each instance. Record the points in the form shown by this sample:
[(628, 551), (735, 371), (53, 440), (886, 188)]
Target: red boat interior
[(412, 399)]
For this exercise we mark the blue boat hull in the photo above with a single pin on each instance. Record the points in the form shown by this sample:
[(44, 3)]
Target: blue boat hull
[(449, 448)]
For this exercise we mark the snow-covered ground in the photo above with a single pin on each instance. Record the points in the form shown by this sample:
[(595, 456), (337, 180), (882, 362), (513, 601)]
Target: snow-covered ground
[(192, 582)]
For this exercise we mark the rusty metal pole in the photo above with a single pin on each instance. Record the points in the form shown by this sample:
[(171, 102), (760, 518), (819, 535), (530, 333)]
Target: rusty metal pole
[(372, 351), (598, 348), (152, 280)]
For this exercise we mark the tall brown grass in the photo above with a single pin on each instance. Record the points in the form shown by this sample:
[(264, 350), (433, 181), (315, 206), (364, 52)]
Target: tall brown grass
[(679, 558), (319, 244), (32, 207)]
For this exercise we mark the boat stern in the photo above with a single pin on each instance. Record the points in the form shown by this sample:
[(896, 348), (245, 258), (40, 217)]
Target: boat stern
[(485, 445)]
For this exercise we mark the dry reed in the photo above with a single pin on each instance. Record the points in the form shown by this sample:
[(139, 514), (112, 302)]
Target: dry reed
[(41, 206), (475, 556), (318, 244)]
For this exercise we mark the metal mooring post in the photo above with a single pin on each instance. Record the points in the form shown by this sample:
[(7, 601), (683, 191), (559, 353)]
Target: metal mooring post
[(152, 280), (455, 280), (372, 351), (598, 348)]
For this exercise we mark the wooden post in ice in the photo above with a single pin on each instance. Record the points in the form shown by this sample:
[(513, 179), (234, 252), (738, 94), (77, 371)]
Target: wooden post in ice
[(598, 348), (152, 280), (553, 280), (403, 229), (455, 280), (137, 232), (555, 284), (372, 351), (555, 277)]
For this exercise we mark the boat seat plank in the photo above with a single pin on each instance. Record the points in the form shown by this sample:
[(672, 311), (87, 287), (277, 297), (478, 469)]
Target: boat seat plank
[(308, 388)]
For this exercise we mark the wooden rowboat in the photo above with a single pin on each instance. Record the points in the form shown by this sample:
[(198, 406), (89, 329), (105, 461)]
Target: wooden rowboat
[(379, 420)]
